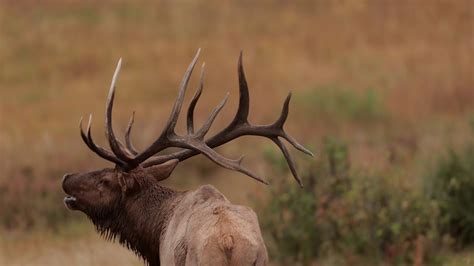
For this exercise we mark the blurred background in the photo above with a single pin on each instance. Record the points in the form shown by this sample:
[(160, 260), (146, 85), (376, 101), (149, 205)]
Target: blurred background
[(383, 94)]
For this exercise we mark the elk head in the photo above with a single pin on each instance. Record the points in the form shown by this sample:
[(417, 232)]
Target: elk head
[(99, 192)]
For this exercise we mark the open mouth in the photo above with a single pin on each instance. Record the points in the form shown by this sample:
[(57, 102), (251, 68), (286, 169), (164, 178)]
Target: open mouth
[(70, 202)]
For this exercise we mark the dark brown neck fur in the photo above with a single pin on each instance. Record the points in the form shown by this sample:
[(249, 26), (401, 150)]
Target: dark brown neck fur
[(138, 221)]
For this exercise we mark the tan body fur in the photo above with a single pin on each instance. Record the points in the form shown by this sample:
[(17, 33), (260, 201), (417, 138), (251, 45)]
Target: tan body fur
[(206, 229)]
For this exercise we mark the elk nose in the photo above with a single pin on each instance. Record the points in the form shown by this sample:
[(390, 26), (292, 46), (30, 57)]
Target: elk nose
[(66, 176), (64, 182)]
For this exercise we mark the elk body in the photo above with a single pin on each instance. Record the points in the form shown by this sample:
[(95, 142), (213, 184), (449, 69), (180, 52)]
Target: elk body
[(164, 226)]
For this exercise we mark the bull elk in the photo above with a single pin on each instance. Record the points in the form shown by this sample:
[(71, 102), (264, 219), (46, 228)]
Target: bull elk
[(161, 225)]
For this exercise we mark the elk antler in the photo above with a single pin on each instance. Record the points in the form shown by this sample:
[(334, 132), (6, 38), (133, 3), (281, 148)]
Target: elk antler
[(193, 143)]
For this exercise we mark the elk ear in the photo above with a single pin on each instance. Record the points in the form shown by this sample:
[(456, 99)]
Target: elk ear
[(126, 182), (162, 171)]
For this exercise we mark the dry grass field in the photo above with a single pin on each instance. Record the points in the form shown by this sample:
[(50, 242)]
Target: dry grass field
[(76, 247), (394, 79)]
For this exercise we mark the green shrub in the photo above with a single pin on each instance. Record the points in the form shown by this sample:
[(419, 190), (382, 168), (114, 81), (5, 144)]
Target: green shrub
[(361, 219), (451, 185)]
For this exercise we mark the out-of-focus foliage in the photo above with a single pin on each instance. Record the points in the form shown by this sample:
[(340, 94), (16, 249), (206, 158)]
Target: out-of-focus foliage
[(28, 202), (341, 103), (451, 185), (353, 215)]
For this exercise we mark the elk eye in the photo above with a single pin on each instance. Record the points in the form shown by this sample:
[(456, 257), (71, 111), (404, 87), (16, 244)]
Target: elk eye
[(103, 183)]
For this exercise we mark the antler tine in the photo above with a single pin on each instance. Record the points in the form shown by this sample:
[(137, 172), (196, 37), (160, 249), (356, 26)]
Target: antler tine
[(128, 142), (190, 117), (234, 165), (173, 119), (163, 141), (289, 159), (295, 144), (83, 135), (241, 116), (281, 122), (95, 148), (207, 125), (192, 105), (113, 141), (284, 112)]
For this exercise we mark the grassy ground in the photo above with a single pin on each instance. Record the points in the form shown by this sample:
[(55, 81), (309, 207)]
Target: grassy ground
[(82, 247), (393, 79), (74, 246)]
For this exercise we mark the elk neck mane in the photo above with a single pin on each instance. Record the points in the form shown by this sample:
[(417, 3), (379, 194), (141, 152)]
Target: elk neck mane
[(138, 221)]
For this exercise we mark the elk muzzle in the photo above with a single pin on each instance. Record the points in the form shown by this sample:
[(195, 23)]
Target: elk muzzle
[(69, 201)]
